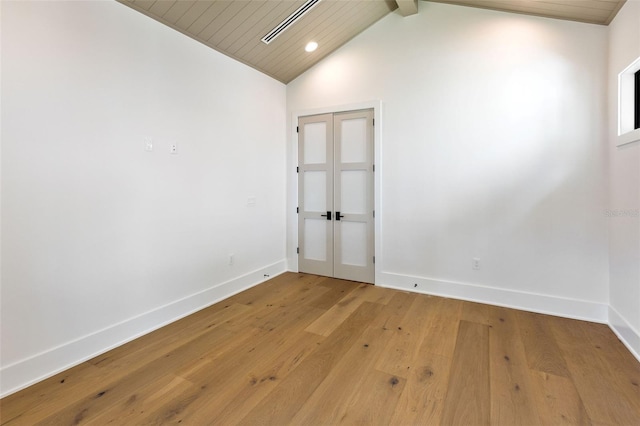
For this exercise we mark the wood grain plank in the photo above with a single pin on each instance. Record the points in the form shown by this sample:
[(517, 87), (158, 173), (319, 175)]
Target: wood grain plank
[(400, 357), (112, 392), (616, 360), (441, 327), (373, 294), (604, 401), (149, 398), (210, 328), (328, 322), (557, 400), (475, 312), (422, 400), (512, 394), (331, 400), (42, 399), (92, 377), (467, 401), (217, 374), (376, 405), (541, 348), (286, 286), (335, 316), (286, 399), (170, 337), (260, 382), (337, 290), (232, 383), (249, 360), (272, 316)]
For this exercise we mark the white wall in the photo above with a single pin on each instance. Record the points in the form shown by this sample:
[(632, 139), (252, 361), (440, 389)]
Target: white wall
[(492, 147), (624, 186), (101, 240)]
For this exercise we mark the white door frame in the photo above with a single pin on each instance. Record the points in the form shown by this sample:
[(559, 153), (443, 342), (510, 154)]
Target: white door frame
[(292, 241)]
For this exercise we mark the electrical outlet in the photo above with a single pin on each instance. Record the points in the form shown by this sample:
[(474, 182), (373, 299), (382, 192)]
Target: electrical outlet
[(173, 148), (476, 263)]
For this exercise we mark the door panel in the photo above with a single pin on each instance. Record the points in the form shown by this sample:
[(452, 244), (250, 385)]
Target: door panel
[(353, 193), (353, 196), (335, 157), (315, 242), (315, 142), (353, 147), (315, 194), (353, 244), (315, 191)]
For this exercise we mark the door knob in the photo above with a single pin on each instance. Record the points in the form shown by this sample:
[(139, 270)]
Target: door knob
[(338, 216), (328, 215)]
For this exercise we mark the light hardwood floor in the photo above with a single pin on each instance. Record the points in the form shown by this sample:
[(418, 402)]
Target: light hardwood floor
[(307, 350)]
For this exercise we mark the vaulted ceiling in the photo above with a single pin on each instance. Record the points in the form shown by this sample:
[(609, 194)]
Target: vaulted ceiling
[(236, 27)]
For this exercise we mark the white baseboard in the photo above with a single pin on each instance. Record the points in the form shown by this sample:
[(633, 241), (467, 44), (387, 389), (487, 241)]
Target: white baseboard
[(543, 304), (625, 332), (26, 372)]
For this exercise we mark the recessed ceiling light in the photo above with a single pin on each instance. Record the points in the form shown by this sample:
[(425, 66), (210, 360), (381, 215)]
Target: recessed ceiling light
[(311, 46)]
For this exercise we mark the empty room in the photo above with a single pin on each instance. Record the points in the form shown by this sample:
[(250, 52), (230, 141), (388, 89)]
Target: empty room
[(319, 212)]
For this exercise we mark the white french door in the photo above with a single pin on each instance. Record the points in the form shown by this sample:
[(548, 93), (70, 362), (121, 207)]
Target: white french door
[(335, 195)]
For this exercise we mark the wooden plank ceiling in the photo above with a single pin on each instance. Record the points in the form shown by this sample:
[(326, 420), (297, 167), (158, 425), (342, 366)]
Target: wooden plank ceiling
[(236, 27), (590, 11)]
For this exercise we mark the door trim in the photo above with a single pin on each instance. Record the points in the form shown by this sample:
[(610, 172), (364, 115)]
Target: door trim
[(292, 190)]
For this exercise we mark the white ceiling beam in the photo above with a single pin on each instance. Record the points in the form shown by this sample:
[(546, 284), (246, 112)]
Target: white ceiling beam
[(407, 7)]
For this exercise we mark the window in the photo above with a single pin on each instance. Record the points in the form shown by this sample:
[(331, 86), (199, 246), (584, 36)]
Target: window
[(637, 102), (629, 104)]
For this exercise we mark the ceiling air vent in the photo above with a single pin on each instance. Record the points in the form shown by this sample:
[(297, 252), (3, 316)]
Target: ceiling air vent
[(291, 19)]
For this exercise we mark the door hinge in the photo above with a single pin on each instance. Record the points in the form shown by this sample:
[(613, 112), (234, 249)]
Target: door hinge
[(297, 169), (374, 121), (374, 213), (297, 129), (298, 250), (374, 259), (297, 209), (374, 167)]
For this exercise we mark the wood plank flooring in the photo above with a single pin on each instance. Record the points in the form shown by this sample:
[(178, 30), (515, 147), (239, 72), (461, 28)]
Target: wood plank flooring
[(307, 350)]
